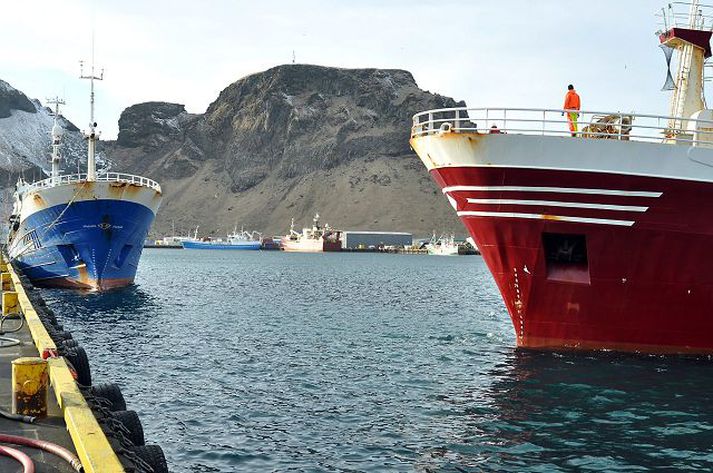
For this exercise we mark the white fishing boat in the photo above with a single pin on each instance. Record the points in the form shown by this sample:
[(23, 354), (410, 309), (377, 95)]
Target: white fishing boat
[(316, 239), (445, 245)]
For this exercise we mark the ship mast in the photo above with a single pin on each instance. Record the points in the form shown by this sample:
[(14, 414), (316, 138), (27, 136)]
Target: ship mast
[(692, 41), (56, 137), (315, 222), (92, 135)]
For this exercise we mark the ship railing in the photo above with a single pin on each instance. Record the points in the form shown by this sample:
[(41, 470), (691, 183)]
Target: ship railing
[(105, 177), (678, 15), (554, 122)]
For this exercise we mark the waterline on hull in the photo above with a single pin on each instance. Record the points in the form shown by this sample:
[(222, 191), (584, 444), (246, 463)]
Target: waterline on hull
[(89, 285)]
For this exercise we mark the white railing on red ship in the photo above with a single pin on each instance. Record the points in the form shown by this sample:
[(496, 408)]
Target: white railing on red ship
[(553, 122), (106, 177)]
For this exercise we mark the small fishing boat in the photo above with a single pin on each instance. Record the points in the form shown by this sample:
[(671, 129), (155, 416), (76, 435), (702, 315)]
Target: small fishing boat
[(443, 246), (238, 240), (312, 240)]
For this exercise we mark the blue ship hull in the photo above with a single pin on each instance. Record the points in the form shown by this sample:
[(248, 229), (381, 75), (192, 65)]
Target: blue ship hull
[(207, 245), (91, 244)]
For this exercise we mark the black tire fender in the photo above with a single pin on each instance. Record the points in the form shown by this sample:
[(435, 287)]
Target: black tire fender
[(78, 358), (130, 420), (112, 393), (153, 455)]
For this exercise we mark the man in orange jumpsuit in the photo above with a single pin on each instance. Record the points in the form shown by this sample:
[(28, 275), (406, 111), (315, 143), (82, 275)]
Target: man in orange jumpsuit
[(571, 106)]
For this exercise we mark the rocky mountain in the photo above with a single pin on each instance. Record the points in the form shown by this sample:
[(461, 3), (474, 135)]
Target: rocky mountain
[(286, 143), (25, 143)]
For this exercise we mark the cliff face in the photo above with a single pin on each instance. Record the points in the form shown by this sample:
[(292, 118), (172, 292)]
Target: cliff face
[(12, 99), (289, 142), (295, 120)]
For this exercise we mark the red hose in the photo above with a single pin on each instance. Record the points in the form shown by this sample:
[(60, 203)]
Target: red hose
[(49, 447), (27, 465)]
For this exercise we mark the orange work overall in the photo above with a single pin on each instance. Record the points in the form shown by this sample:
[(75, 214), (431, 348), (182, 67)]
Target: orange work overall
[(571, 105)]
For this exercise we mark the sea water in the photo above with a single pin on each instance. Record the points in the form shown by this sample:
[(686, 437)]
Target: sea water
[(266, 361)]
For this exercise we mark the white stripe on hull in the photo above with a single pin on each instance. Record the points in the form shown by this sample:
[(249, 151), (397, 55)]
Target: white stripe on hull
[(557, 218), (556, 203), (553, 190)]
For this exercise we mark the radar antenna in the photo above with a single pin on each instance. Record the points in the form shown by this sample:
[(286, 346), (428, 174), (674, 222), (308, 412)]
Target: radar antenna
[(92, 135)]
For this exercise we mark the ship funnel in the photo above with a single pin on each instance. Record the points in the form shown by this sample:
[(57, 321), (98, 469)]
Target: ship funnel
[(668, 52)]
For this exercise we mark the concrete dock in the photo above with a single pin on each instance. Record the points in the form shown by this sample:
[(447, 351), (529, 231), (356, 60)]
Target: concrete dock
[(51, 429), (71, 422)]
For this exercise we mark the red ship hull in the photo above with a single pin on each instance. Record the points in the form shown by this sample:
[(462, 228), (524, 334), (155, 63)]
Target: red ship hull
[(643, 277)]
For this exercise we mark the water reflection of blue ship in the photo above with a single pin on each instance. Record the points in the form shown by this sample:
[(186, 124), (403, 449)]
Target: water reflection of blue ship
[(238, 240)]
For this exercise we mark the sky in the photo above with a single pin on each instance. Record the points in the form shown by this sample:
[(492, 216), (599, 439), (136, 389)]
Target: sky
[(504, 53)]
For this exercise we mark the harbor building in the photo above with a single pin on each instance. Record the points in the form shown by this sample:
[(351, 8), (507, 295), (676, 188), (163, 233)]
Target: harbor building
[(365, 239)]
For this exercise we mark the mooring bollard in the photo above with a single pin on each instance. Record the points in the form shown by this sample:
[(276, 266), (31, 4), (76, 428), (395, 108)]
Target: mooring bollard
[(10, 303), (30, 383), (6, 281)]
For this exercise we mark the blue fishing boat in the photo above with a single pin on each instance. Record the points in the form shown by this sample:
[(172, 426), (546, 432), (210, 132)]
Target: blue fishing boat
[(83, 230), (241, 240)]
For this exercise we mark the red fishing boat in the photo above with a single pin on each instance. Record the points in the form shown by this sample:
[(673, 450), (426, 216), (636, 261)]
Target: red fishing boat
[(602, 240)]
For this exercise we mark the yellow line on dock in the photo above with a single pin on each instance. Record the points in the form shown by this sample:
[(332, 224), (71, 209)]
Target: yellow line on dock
[(92, 446)]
